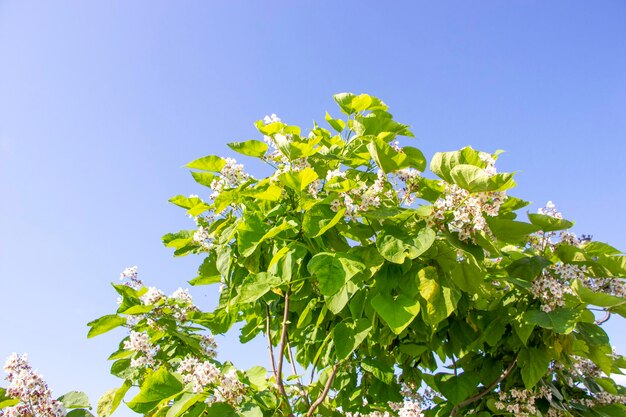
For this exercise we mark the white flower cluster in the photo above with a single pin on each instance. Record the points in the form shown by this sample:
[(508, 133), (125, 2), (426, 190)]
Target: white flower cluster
[(271, 119), (208, 345), (548, 240), (132, 276), (29, 387), (468, 210), (145, 351), (408, 408), (550, 210), (201, 237), (603, 398), (203, 375), (556, 281), (361, 199), (607, 285), (521, 402), (152, 296), (490, 169), (232, 175)]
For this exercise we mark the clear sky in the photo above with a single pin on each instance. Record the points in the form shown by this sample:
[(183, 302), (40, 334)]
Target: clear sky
[(102, 103)]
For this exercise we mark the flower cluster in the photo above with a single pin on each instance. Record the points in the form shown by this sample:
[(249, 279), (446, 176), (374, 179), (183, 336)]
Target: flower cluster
[(201, 237), (29, 387), (468, 210), (548, 240), (132, 276), (552, 285), (202, 375), (521, 402), (232, 175), (606, 285), (145, 351), (362, 199)]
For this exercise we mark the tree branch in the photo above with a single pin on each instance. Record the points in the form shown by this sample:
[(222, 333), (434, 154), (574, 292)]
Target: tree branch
[(269, 340), (486, 391), (281, 348), (324, 393)]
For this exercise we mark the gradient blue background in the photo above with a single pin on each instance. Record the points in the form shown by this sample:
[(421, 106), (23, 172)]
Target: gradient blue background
[(102, 103)]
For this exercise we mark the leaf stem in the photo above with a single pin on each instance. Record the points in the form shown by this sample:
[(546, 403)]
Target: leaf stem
[(281, 348), (269, 340)]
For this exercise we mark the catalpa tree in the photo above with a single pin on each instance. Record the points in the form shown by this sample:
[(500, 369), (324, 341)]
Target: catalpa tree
[(379, 290)]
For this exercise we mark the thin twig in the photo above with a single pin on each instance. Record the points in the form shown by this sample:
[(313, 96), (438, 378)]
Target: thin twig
[(269, 340), (486, 390), (281, 348), (604, 319), (324, 393), (295, 372)]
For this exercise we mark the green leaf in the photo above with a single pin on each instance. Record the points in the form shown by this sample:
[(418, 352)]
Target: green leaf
[(398, 312), (380, 370), (597, 298), (257, 375), (158, 386), (387, 158), (511, 231), (194, 205), (442, 163), (528, 267), (549, 223), (111, 399), (254, 148), (75, 399), (599, 248), (203, 178), (457, 388), (298, 180), (475, 179), (344, 100), (220, 410), (468, 276), (319, 219), (104, 324), (250, 410), (264, 191), (395, 244), (440, 300), (562, 320), (348, 335), (79, 413), (333, 270), (336, 124), (183, 403), (414, 158), (210, 163), (534, 363), (256, 286), (207, 272)]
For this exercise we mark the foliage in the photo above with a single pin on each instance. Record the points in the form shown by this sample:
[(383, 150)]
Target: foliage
[(386, 290)]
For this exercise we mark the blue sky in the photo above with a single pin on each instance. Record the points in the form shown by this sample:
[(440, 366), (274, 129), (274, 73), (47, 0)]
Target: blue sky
[(102, 103)]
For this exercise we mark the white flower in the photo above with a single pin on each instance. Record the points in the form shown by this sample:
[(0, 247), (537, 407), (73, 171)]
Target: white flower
[(152, 296), (132, 275), (182, 295), (271, 119)]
